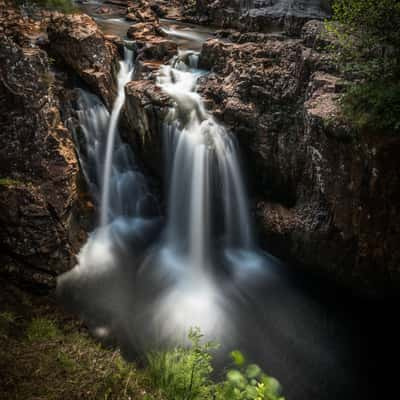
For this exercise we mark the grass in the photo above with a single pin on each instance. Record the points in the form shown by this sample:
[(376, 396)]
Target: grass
[(46, 355), (184, 373)]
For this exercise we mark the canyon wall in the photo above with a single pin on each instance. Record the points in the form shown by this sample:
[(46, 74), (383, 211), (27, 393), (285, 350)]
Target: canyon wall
[(43, 206)]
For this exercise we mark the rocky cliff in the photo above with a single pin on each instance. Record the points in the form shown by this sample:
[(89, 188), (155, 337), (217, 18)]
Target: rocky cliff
[(42, 206)]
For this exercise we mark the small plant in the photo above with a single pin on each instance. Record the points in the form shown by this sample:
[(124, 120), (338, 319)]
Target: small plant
[(185, 374), (247, 382), (66, 362), (6, 319), (42, 329)]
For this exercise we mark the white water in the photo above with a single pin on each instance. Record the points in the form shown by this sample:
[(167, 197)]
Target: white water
[(124, 76), (207, 198)]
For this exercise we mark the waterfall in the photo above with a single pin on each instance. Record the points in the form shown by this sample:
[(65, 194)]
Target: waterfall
[(207, 197), (124, 76), (108, 164)]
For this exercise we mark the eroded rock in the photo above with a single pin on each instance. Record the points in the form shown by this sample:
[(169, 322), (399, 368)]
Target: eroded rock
[(151, 42), (327, 199), (38, 170), (145, 109), (78, 41), (260, 15)]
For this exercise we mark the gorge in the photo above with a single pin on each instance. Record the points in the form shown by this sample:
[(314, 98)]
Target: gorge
[(204, 154)]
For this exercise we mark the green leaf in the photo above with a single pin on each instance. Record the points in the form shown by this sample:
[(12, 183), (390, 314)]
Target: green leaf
[(238, 358), (253, 371), (235, 377)]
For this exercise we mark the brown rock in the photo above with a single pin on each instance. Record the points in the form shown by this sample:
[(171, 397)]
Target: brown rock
[(78, 41), (38, 170), (141, 11), (151, 42), (145, 109)]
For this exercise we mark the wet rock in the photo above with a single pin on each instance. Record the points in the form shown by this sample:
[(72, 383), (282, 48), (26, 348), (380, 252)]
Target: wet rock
[(145, 108), (77, 40)]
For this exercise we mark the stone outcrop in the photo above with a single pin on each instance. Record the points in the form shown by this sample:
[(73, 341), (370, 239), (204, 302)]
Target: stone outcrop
[(327, 197), (145, 108), (141, 11), (260, 15), (78, 41), (38, 170), (151, 42)]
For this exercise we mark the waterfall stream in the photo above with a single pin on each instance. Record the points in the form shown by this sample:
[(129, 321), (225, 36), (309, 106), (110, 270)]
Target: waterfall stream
[(142, 281), (124, 76)]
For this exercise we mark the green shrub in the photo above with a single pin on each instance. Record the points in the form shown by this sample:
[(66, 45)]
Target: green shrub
[(373, 106), (184, 373), (247, 382), (367, 47)]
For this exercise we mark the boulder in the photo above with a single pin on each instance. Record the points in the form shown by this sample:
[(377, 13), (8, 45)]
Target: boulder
[(141, 11), (145, 108), (79, 43), (151, 42)]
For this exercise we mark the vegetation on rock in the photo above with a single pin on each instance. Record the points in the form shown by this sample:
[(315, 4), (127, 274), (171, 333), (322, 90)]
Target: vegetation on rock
[(368, 49)]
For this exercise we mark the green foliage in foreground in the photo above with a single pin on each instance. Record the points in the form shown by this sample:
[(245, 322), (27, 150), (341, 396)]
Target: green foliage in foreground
[(184, 373), (368, 50)]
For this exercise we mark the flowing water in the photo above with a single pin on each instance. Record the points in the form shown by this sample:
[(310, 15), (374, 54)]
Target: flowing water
[(142, 281)]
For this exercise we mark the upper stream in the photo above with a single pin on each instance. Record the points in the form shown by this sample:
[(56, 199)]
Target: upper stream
[(143, 280)]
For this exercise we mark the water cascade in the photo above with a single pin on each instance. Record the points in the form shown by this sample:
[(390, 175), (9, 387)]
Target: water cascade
[(124, 76)]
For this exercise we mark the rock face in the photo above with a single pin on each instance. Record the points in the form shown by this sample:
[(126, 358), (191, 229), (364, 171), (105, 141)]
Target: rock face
[(78, 41), (327, 198), (145, 109), (261, 15), (38, 169), (151, 42), (141, 11)]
